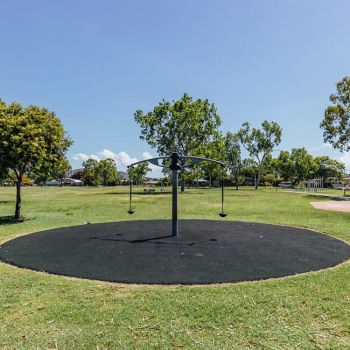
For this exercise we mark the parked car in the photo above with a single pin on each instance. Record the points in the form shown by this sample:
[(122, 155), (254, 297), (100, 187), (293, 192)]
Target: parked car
[(286, 184)]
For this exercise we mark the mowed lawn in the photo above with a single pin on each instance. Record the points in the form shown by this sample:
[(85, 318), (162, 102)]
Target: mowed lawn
[(39, 311)]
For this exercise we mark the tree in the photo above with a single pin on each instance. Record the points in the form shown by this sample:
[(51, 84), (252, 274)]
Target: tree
[(91, 176), (138, 172), (233, 155), (336, 122), (43, 173), (182, 126), (285, 166), (4, 175), (107, 171), (30, 138), (78, 174), (303, 163), (326, 167), (260, 142), (249, 167), (60, 171), (214, 149)]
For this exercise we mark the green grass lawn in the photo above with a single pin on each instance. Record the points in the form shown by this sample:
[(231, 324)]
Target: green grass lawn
[(38, 311)]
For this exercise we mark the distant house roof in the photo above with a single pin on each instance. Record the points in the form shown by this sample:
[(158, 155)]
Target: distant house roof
[(71, 181)]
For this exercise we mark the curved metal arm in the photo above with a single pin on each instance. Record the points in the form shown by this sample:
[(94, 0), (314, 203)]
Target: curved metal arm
[(195, 160), (153, 161)]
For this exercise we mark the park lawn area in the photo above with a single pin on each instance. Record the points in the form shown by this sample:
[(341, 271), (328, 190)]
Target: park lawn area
[(40, 311)]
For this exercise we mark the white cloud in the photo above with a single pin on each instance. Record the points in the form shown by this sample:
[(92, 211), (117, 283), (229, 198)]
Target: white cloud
[(321, 147), (122, 158), (94, 156), (82, 157), (106, 153)]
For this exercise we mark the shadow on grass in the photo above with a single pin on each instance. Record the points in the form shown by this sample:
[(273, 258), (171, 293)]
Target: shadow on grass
[(139, 193), (325, 197), (10, 220)]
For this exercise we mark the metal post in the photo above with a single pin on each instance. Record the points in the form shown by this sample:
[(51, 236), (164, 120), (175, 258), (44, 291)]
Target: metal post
[(222, 194), (130, 190), (174, 228)]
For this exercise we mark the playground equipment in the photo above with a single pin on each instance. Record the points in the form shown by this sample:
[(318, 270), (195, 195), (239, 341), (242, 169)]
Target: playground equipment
[(314, 185), (172, 163)]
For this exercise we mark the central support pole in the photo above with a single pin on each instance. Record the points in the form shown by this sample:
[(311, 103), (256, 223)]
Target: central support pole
[(174, 228), (174, 167)]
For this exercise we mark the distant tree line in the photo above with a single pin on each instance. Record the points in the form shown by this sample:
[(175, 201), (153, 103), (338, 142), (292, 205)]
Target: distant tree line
[(191, 127), (33, 145)]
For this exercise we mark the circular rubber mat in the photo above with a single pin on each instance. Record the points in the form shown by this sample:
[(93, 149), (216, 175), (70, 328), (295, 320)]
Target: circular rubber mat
[(206, 251)]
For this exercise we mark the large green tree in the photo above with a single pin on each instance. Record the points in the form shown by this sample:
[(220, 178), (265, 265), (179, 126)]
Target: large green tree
[(181, 126), (260, 142), (91, 175), (326, 167), (107, 171), (60, 172), (285, 166), (138, 172), (233, 156), (31, 138), (214, 149), (303, 162), (336, 122)]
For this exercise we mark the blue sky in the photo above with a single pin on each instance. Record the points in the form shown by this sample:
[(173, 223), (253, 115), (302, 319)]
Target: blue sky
[(95, 62)]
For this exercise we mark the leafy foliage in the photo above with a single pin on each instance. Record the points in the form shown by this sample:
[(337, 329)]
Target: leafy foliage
[(181, 126), (107, 171), (31, 139), (185, 126), (260, 142), (233, 154), (336, 122), (138, 172), (91, 176)]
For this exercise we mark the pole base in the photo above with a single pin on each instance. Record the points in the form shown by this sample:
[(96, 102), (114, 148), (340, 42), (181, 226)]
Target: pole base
[(131, 211), (222, 214)]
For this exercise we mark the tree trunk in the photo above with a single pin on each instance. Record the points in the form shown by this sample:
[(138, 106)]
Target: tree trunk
[(209, 180), (18, 198), (236, 183), (182, 183), (257, 179)]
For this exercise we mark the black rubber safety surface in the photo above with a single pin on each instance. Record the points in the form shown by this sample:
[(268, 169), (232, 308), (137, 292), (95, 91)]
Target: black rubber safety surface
[(206, 251)]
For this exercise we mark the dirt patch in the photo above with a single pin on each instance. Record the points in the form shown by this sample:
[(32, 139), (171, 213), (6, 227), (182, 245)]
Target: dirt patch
[(343, 206)]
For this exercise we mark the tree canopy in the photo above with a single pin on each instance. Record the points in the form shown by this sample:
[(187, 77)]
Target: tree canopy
[(107, 171), (233, 156), (90, 176), (138, 172), (182, 126), (260, 142), (31, 138), (336, 122)]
